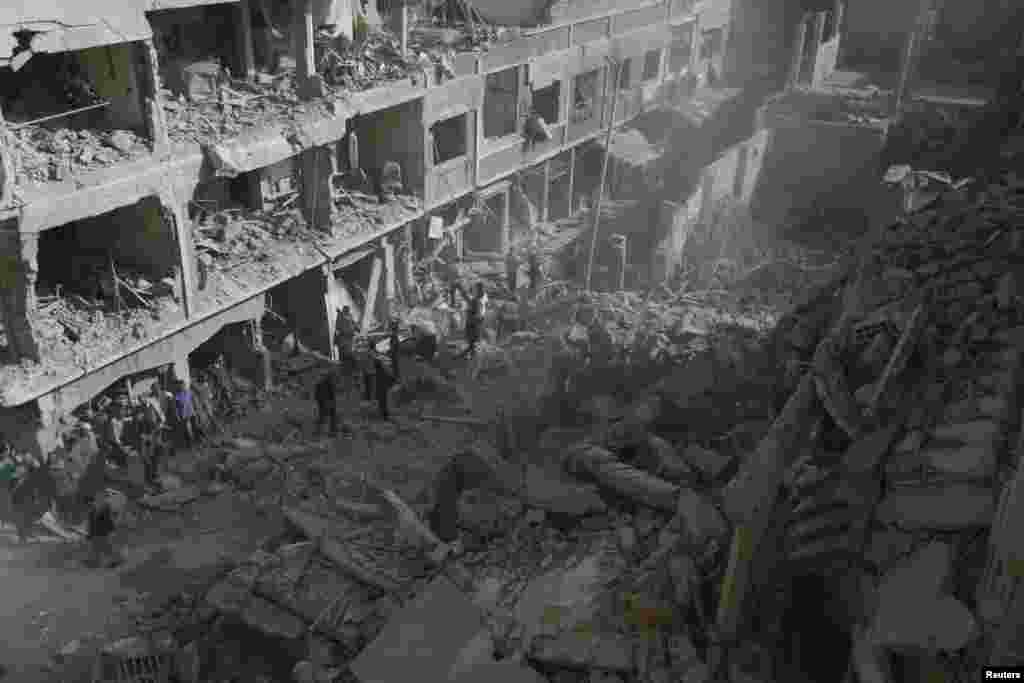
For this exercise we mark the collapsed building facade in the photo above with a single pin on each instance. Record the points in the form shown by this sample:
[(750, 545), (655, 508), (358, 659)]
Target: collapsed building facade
[(171, 171)]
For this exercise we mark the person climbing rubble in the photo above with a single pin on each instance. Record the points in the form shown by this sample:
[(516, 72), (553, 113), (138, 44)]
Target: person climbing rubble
[(325, 394)]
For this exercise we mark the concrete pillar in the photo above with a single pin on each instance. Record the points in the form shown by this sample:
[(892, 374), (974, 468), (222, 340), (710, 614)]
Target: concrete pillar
[(798, 54), (572, 180), (246, 54), (838, 14), (156, 121), (545, 193), (400, 25), (820, 20), (316, 187), (409, 261), (371, 294), (310, 85), (390, 272), (18, 272), (6, 165), (174, 211)]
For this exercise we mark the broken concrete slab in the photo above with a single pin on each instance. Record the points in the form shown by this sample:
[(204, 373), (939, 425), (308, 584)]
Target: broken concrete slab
[(975, 432), (912, 610), (974, 460), (571, 593), (171, 500), (425, 636), (268, 618), (706, 461), (954, 506), (574, 650)]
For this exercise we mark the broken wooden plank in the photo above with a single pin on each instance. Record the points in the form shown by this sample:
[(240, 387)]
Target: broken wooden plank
[(371, 294)]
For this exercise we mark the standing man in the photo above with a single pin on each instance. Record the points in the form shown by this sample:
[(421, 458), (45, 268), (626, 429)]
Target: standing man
[(394, 350), (186, 413), (512, 270), (326, 403), (345, 330), (474, 317), (100, 529), (383, 381), (534, 271)]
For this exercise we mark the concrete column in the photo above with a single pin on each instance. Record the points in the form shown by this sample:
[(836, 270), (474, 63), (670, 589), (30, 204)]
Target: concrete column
[(572, 180), (798, 54), (156, 121), (390, 272), (371, 294), (838, 14), (545, 193), (305, 57), (18, 272), (820, 20), (175, 211), (246, 56), (409, 262), (400, 25), (6, 165), (316, 187)]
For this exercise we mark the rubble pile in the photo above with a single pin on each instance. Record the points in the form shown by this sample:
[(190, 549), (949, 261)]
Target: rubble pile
[(238, 250), (357, 213), (46, 154), (899, 435), (235, 107), (368, 63), (74, 332)]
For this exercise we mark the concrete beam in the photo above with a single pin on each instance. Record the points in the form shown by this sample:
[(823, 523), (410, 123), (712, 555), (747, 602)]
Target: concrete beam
[(545, 193), (371, 294)]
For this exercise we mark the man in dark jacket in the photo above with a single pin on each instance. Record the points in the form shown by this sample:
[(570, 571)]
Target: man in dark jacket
[(383, 381), (100, 529), (326, 403)]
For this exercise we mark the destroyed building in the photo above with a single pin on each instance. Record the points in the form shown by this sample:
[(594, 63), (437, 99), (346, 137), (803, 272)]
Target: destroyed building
[(173, 169)]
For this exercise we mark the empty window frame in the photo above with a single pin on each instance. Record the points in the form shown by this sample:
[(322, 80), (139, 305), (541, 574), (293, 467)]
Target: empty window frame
[(501, 103), (652, 65), (546, 102), (449, 139), (680, 52), (626, 75), (711, 43), (584, 96)]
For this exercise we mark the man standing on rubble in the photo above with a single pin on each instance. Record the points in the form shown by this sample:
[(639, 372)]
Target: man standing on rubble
[(186, 414), (475, 311), (325, 394), (512, 270), (534, 272), (345, 330), (383, 381)]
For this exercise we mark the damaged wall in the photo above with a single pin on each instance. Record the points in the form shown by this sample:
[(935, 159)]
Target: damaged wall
[(394, 134), (19, 271)]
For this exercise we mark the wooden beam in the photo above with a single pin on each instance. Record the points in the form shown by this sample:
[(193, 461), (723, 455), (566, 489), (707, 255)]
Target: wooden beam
[(911, 54), (246, 56), (371, 294)]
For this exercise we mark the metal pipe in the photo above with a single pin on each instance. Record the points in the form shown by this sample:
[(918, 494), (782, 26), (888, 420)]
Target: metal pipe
[(58, 116)]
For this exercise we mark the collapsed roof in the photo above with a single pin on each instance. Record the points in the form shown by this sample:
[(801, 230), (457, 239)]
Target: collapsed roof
[(50, 26)]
